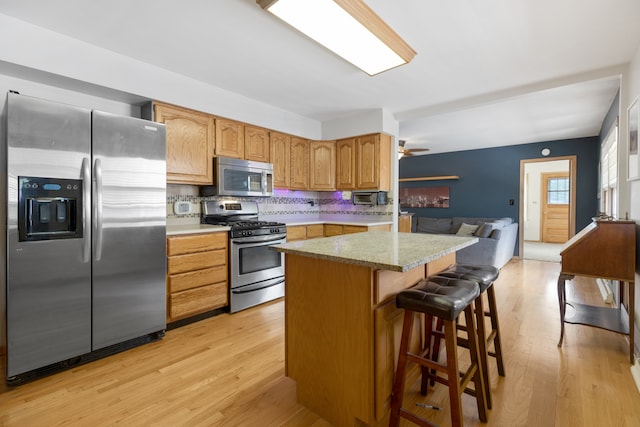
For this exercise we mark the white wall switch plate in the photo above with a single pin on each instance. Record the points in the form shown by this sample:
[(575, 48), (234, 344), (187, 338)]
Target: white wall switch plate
[(182, 208)]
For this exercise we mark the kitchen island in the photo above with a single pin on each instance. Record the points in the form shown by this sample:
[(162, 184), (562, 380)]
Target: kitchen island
[(342, 327)]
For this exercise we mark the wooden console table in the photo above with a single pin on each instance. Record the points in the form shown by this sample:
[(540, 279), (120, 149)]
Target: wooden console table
[(607, 250)]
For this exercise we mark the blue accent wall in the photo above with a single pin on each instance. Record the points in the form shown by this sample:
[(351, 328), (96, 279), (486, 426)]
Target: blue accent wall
[(490, 177)]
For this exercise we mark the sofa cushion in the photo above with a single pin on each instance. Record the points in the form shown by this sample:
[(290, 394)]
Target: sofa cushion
[(484, 229), (497, 225), (495, 234), (433, 225), (466, 229), (505, 220), (457, 221)]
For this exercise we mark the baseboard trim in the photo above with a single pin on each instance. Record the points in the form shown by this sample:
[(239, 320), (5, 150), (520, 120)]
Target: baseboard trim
[(605, 291)]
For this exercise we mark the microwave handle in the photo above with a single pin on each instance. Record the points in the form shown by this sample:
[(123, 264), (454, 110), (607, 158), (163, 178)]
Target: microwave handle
[(263, 186)]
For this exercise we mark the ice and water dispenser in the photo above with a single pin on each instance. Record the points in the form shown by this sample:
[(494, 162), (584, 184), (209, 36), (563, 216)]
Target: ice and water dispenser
[(49, 208)]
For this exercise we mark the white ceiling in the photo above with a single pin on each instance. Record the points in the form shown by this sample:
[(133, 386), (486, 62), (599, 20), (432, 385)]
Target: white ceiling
[(487, 73)]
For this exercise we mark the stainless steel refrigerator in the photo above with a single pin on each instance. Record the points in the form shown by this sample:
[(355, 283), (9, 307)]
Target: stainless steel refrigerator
[(85, 235)]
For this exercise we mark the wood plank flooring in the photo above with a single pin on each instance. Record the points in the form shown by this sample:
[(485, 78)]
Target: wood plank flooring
[(229, 371)]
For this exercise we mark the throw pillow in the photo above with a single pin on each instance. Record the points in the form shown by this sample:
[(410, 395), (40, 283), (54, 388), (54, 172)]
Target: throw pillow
[(484, 229), (467, 229)]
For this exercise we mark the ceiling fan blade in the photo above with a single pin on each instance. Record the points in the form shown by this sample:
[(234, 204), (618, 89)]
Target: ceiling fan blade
[(417, 150)]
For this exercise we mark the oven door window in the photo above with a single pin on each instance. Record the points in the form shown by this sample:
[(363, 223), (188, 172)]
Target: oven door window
[(258, 258)]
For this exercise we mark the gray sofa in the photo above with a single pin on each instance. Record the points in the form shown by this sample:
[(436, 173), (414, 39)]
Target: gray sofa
[(497, 237)]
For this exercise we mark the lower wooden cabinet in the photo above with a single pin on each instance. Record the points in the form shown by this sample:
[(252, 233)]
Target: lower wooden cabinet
[(338, 229), (315, 230), (305, 232), (404, 223), (197, 277)]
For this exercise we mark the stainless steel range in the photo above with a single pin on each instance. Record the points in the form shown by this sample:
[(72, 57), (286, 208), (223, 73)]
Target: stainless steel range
[(256, 272)]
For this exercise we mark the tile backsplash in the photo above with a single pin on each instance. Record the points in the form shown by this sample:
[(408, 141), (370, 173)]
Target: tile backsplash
[(306, 204)]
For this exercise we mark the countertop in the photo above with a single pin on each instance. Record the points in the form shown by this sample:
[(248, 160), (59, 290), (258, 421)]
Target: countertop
[(173, 230), (362, 220), (384, 250)]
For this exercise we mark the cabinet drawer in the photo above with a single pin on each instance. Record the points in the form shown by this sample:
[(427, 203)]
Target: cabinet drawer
[(349, 229), (381, 227), (332, 230), (389, 283), (197, 261), (194, 279), (314, 231), (179, 245), (298, 232), (199, 300)]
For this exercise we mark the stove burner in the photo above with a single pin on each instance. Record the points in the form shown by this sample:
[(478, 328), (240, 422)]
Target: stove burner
[(252, 225)]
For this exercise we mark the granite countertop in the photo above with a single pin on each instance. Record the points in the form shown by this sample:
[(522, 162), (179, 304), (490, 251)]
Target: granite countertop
[(362, 220), (384, 250), (173, 230)]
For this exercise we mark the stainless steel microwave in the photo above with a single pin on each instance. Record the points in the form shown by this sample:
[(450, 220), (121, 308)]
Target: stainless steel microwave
[(237, 177)]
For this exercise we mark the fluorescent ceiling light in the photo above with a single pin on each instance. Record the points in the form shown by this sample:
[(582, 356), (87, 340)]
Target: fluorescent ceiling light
[(349, 28)]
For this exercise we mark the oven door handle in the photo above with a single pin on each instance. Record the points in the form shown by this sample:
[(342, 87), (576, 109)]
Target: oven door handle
[(256, 287), (258, 239)]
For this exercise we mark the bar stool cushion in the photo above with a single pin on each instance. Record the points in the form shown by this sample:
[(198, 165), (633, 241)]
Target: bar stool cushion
[(445, 298), (483, 275)]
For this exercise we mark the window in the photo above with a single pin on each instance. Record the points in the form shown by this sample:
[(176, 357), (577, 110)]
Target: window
[(558, 191), (609, 173)]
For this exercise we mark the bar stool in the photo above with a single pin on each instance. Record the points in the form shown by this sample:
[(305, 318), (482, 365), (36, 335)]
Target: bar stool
[(443, 300), (484, 276)]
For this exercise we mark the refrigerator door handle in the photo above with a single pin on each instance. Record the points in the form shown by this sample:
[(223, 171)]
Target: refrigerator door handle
[(97, 209), (86, 207)]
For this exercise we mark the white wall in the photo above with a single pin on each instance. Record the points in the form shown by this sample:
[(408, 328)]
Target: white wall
[(629, 91), (376, 120), (67, 62), (533, 172)]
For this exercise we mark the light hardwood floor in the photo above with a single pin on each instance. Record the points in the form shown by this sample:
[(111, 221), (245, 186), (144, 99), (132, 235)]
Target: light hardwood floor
[(229, 371)]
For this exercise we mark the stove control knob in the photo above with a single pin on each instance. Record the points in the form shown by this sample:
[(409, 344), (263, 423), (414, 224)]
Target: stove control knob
[(221, 207)]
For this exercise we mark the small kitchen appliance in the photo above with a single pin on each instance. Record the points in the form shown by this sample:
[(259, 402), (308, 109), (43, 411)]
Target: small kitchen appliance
[(239, 177)]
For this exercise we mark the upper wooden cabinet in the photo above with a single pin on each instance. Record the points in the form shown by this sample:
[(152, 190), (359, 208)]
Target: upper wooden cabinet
[(346, 164), (256, 144), (190, 144), (373, 158), (322, 165), (229, 138), (281, 158), (299, 178), (363, 162)]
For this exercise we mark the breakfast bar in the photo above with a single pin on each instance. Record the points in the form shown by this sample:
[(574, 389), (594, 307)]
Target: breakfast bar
[(342, 328)]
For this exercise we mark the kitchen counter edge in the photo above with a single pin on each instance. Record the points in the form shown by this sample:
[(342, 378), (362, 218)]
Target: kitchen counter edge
[(407, 250), (366, 222), (176, 230)]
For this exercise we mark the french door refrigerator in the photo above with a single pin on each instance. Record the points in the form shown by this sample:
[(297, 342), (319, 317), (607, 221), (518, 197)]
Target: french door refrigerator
[(85, 234)]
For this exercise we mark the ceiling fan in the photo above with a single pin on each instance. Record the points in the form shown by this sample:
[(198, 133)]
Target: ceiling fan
[(407, 151)]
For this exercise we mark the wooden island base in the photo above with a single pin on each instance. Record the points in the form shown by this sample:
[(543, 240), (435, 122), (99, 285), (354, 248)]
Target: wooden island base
[(342, 335)]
